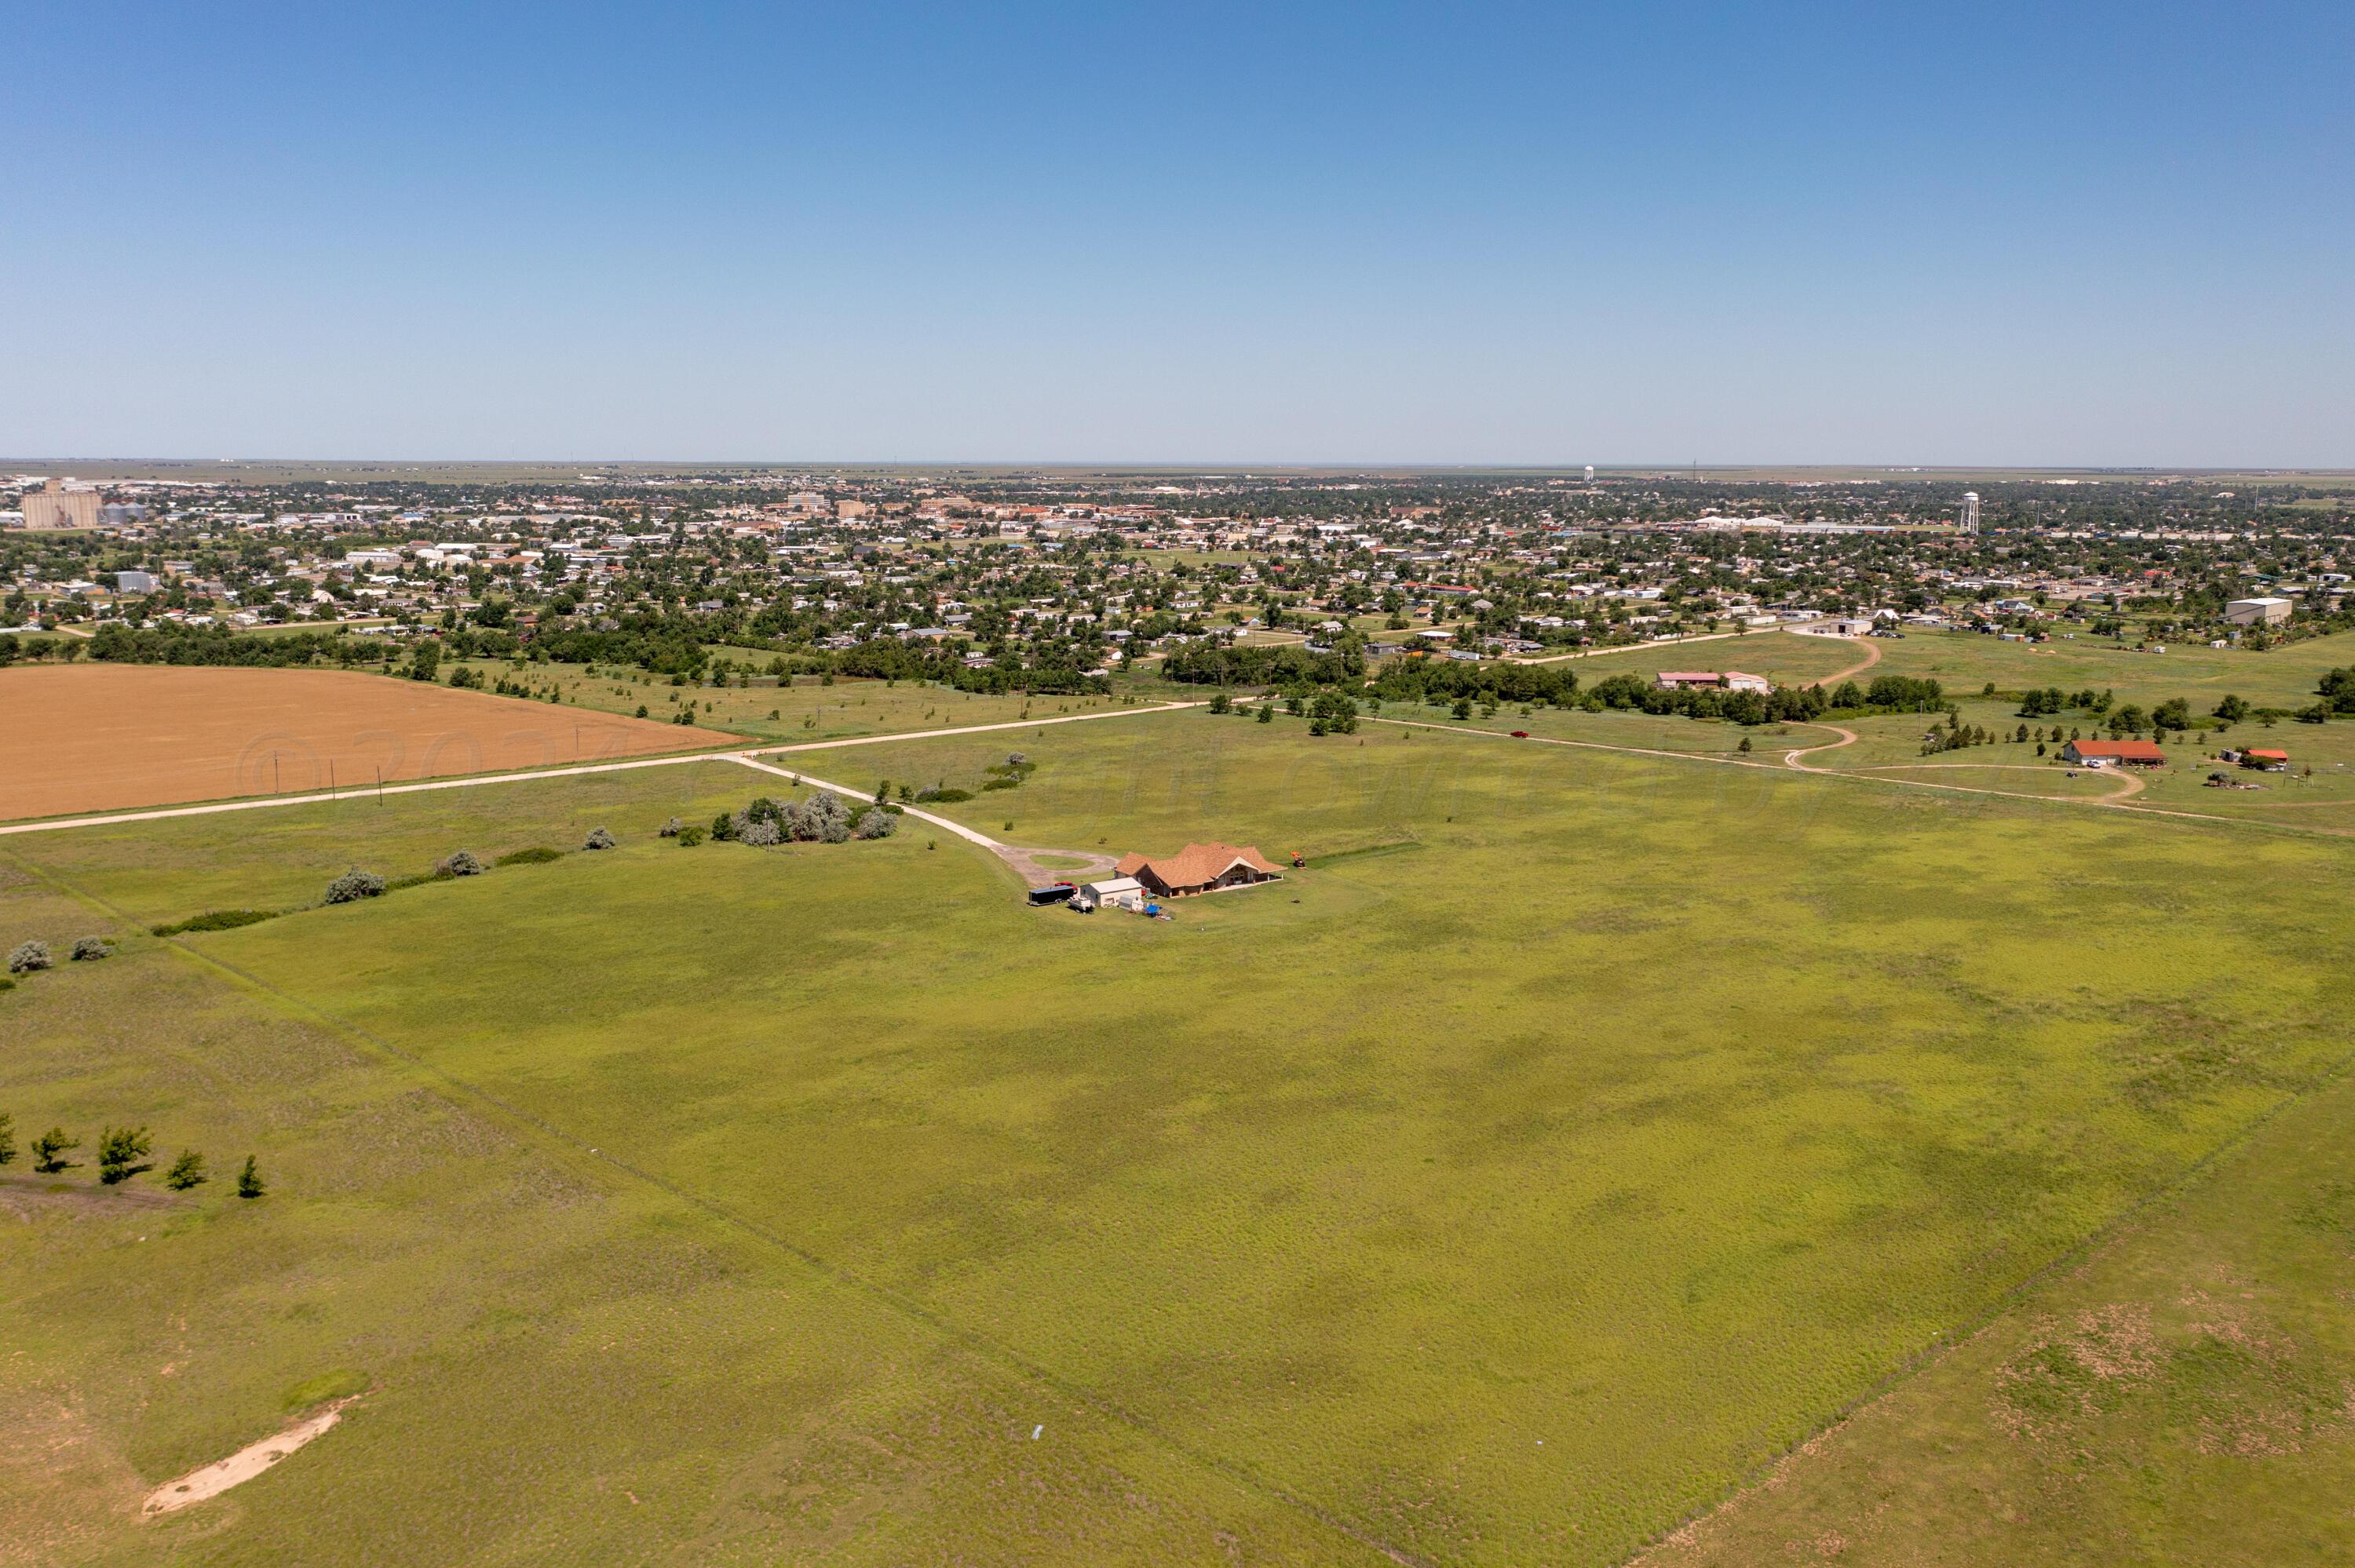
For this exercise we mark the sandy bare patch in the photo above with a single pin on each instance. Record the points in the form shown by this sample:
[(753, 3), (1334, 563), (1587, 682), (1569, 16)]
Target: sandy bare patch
[(102, 738), (244, 1465), (23, 1197)]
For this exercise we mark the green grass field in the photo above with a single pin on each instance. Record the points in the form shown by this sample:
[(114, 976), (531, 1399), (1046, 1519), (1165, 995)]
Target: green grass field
[(2183, 1398), (1966, 664), (1579, 1133), (805, 710)]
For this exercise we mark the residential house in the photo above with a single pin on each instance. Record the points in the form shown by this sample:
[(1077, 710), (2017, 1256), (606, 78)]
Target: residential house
[(1197, 868), (2107, 753)]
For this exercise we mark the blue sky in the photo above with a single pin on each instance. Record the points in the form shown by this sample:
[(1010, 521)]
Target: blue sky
[(2035, 234)]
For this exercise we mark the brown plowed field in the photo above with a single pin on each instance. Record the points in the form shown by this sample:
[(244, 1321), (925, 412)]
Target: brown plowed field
[(97, 737)]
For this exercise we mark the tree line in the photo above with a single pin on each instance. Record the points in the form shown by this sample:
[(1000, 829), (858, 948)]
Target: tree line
[(122, 1152)]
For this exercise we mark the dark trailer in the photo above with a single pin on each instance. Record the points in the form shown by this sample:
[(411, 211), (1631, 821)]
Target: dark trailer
[(1060, 893)]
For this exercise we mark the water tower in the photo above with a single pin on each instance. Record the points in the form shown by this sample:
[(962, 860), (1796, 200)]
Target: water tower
[(1969, 521)]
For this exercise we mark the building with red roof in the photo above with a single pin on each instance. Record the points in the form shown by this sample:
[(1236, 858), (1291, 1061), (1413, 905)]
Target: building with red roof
[(2127, 753), (1199, 868)]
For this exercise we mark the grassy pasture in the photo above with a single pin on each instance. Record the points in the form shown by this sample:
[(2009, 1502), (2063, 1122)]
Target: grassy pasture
[(1502, 1192), (564, 1361), (2181, 1399), (1964, 662), (1784, 658), (154, 872), (807, 710)]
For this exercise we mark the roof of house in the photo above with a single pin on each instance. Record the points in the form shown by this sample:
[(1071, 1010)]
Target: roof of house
[(2272, 756), (2124, 750), (1110, 884), (1686, 677), (1195, 865)]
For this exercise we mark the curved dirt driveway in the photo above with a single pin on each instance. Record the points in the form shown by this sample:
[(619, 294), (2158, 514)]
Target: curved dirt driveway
[(1846, 737), (1871, 657)]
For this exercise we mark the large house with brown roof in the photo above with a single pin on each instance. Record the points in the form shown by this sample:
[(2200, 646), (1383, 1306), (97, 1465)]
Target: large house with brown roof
[(1199, 868), (2124, 753)]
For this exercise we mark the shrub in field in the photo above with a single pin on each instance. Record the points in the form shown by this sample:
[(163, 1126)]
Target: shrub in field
[(29, 957), (460, 863), (186, 1171), (538, 855), (723, 829), (761, 834), (943, 795), (7, 1137), (597, 838), (249, 1180), (671, 828), (689, 837), (828, 818), (122, 1153), (87, 949), (354, 886), (50, 1151), (875, 822), (215, 920)]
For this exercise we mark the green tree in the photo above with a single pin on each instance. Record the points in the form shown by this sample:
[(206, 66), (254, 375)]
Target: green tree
[(50, 1151), (1334, 714), (2231, 710), (122, 1153), (249, 1180), (1266, 714), (186, 1171), (425, 661), (7, 1137)]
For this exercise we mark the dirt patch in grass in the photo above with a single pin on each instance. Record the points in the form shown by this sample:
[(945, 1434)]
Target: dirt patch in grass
[(26, 1196), (200, 1484)]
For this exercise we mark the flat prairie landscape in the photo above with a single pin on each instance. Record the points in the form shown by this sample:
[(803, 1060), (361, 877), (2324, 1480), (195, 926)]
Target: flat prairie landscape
[(97, 737), (1578, 1134)]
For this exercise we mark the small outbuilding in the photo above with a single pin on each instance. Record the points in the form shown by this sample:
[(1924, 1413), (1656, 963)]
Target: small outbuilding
[(1119, 891), (2271, 761)]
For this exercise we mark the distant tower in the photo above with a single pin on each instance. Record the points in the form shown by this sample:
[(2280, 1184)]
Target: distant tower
[(1969, 522), (1590, 473)]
